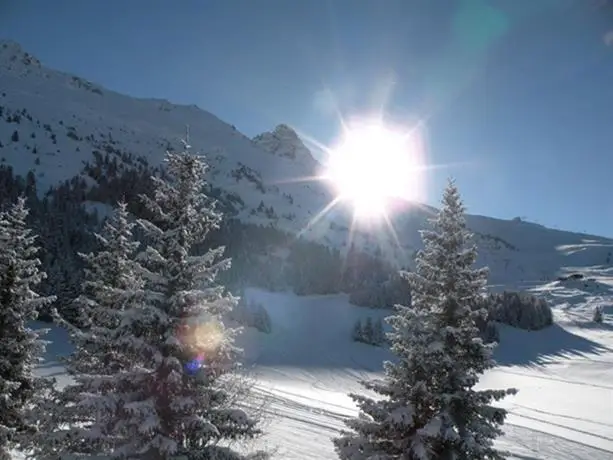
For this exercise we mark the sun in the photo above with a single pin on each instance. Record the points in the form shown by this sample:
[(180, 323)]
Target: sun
[(375, 165)]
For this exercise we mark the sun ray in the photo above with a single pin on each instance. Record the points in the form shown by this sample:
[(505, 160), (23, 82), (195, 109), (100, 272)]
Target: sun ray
[(390, 227), (349, 240), (383, 92), (317, 217), (325, 151), (298, 180), (311, 140), (335, 106)]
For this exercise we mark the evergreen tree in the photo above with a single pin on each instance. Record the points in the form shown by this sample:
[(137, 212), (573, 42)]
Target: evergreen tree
[(110, 273), (187, 401), (367, 331), (158, 382), (378, 336), (429, 408), (357, 332), (261, 318), (85, 418), (491, 332), (21, 347)]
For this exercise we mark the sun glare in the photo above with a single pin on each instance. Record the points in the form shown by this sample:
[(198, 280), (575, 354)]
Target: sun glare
[(374, 165)]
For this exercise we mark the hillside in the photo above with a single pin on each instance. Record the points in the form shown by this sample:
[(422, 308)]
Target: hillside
[(52, 123)]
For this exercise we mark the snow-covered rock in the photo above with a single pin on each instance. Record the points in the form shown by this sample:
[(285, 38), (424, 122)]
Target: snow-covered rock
[(283, 141)]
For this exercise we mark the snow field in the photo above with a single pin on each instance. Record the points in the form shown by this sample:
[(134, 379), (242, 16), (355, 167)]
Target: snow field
[(307, 365), (564, 408)]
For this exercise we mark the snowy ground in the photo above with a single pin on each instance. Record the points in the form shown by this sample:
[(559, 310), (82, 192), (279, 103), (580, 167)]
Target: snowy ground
[(564, 409), (305, 367)]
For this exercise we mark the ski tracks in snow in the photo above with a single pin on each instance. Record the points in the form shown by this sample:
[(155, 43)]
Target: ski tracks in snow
[(305, 419)]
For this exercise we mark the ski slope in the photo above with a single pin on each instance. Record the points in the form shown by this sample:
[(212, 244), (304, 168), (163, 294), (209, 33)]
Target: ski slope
[(307, 365)]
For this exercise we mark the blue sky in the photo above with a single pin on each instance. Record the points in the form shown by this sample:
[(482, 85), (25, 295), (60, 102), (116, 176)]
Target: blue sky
[(517, 93)]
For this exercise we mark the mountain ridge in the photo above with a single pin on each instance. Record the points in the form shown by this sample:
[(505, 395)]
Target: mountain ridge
[(52, 123)]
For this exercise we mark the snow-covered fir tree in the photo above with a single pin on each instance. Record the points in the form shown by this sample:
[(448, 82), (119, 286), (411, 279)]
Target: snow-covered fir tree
[(85, 417), (370, 332), (156, 384), (367, 330), (378, 336), (187, 405), (21, 347), (428, 408)]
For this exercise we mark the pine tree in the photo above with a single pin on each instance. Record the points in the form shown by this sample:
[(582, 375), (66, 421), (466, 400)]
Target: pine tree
[(429, 408), (189, 395), (378, 336), (261, 318), (367, 331), (176, 397), (84, 418), (491, 332), (357, 331), (21, 347)]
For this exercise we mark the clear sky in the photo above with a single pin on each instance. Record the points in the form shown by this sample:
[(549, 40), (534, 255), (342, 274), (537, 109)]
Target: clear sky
[(518, 94)]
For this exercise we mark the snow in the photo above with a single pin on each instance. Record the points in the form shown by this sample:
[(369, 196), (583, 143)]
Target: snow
[(564, 408), (308, 363)]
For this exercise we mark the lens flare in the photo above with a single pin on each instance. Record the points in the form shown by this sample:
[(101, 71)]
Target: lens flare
[(195, 364), (201, 341)]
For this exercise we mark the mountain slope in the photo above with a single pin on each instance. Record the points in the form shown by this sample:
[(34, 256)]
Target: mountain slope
[(61, 119), (52, 122)]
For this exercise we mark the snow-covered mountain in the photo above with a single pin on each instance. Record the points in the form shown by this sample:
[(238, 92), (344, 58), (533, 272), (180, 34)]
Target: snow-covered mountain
[(52, 122), (60, 120)]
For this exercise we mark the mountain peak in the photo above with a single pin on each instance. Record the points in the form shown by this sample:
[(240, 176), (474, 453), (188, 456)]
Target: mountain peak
[(283, 141), (7, 46), (14, 58), (285, 130)]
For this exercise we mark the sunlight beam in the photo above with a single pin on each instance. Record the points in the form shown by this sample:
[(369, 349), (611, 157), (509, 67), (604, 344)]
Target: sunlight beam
[(319, 216)]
